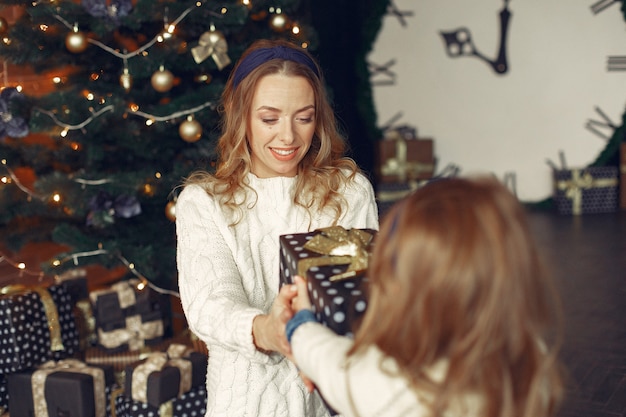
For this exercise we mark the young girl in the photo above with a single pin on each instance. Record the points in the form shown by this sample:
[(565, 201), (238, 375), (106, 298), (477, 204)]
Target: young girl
[(458, 313), (281, 170)]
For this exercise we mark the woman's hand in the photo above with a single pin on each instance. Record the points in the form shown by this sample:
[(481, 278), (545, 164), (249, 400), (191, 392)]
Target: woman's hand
[(268, 330), (301, 301)]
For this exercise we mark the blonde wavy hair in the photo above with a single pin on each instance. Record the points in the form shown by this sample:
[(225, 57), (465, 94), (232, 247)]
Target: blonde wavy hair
[(324, 168), (455, 275)]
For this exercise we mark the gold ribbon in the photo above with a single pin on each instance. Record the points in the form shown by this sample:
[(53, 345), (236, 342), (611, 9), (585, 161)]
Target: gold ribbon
[(125, 293), (50, 309), (38, 383), (134, 334), (177, 352), (400, 166), (340, 246), (86, 322), (213, 44), (582, 181)]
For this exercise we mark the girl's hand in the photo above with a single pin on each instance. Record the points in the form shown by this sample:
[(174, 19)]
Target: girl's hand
[(301, 301)]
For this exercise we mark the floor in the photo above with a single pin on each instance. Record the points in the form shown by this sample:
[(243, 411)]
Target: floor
[(588, 257)]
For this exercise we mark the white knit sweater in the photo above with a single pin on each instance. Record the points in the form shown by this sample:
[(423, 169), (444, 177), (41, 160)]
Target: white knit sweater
[(228, 275)]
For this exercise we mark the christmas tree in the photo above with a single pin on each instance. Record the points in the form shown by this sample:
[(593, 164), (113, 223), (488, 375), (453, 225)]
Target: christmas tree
[(122, 104)]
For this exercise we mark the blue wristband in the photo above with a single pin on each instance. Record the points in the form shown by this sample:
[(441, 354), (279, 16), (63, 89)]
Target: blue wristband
[(301, 317)]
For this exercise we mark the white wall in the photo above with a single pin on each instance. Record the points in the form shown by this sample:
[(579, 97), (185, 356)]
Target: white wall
[(481, 121)]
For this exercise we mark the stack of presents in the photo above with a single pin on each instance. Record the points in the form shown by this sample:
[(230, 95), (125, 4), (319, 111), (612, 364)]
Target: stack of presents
[(66, 351), (404, 162), (593, 189)]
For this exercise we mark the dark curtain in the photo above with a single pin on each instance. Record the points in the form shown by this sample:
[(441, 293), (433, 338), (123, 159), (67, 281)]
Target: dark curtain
[(346, 32)]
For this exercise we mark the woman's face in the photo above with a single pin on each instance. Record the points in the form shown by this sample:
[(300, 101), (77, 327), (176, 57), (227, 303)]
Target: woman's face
[(281, 126)]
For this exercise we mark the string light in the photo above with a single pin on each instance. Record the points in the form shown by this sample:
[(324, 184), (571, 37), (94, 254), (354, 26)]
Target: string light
[(152, 118)]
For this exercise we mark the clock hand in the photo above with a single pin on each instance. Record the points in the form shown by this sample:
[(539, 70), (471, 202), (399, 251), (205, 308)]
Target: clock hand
[(459, 43)]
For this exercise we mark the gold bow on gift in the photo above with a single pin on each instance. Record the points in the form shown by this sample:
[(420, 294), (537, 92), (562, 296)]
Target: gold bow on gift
[(340, 246), (213, 44), (582, 181), (50, 309), (38, 383), (400, 166)]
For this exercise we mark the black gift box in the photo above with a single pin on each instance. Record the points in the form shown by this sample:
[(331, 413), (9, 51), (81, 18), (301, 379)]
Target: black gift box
[(27, 339), (131, 333), (4, 394), (67, 393), (337, 303), (586, 190), (123, 305), (192, 403), (164, 385)]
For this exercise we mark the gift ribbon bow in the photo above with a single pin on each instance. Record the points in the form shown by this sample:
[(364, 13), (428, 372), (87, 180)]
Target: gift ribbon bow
[(134, 334), (50, 310), (38, 383), (212, 44), (582, 181), (340, 246), (400, 166), (157, 361)]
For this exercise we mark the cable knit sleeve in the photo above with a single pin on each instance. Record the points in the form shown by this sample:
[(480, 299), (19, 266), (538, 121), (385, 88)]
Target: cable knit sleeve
[(211, 292), (363, 211)]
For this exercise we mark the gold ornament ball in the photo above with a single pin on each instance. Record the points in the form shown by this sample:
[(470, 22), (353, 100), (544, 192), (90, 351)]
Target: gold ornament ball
[(278, 22), (190, 130), (76, 42), (162, 80), (170, 210), (4, 26)]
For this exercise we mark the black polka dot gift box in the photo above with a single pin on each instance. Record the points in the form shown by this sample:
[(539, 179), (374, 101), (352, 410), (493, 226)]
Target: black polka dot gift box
[(67, 387), (587, 190), (333, 260), (36, 325)]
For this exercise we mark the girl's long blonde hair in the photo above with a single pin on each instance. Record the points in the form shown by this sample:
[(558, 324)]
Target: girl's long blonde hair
[(323, 170), (455, 275)]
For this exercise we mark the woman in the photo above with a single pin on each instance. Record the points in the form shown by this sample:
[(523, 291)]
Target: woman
[(281, 170)]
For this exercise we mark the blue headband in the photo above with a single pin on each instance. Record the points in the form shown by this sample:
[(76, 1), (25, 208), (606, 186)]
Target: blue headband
[(260, 56)]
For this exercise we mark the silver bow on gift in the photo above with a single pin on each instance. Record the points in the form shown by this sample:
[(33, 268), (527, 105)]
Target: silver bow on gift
[(213, 44)]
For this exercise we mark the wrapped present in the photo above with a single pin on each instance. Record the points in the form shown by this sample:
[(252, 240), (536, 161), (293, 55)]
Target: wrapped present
[(165, 376), (622, 175), (129, 316), (65, 388), (38, 325), (585, 190), (192, 403), (333, 260), (402, 156), (132, 333)]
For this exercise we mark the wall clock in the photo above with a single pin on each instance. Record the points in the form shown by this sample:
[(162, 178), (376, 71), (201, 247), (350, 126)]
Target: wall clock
[(558, 62)]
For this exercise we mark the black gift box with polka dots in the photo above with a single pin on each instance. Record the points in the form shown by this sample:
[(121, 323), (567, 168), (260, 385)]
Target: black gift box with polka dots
[(24, 331), (339, 304), (585, 191)]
